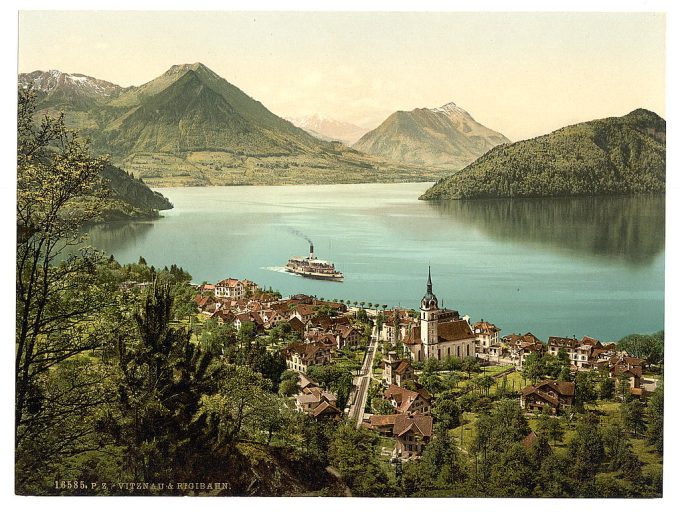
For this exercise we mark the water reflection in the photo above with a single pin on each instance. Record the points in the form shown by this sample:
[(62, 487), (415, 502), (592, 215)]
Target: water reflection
[(113, 238), (629, 228)]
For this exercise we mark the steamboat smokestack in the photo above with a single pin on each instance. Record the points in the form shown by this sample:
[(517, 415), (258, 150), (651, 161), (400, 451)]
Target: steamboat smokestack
[(311, 250)]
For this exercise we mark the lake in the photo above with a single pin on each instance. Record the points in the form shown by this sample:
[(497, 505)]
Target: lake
[(566, 266)]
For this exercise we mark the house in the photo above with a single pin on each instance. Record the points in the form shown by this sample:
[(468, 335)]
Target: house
[(297, 325), (326, 411), (521, 346), (396, 325), (486, 335), (583, 354), (551, 393), (408, 401), (397, 371), (252, 317), (304, 313), (625, 371), (312, 397), (231, 288), (441, 332), (348, 336), (300, 356), (249, 287), (412, 432)]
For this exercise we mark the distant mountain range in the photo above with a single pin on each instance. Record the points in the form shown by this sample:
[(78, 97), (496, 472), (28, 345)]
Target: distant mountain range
[(447, 136), (328, 129), (617, 155), (189, 126)]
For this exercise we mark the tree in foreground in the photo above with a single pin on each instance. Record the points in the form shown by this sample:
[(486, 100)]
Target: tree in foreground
[(354, 453), (56, 291)]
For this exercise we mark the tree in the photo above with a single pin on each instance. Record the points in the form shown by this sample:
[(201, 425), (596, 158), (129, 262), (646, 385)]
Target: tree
[(470, 365), (446, 411), (586, 450), (533, 367), (161, 379), (606, 389), (647, 347), (655, 416), (354, 453), (619, 451), (550, 427), (632, 416), (584, 389), (56, 286)]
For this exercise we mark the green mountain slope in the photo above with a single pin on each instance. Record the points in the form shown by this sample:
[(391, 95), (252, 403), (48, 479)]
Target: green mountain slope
[(190, 126), (618, 155), (447, 136)]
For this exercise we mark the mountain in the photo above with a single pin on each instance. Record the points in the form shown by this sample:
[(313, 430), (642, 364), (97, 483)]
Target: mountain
[(445, 137), (328, 129), (618, 155), (190, 126)]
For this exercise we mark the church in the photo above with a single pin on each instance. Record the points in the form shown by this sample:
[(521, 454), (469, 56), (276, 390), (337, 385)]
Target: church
[(441, 332)]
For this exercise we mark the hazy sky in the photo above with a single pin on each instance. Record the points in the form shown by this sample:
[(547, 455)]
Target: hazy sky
[(523, 74)]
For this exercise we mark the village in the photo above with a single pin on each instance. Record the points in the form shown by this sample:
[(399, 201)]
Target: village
[(402, 360)]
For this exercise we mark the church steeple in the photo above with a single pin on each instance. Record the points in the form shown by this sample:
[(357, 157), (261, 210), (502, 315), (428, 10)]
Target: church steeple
[(429, 301)]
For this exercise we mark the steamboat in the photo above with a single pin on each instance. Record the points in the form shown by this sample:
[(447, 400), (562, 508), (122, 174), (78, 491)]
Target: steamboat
[(312, 267)]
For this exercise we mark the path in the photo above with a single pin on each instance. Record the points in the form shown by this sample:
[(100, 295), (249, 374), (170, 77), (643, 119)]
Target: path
[(356, 411)]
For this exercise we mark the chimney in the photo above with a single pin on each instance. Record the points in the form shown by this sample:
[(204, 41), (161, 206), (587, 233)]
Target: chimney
[(311, 251)]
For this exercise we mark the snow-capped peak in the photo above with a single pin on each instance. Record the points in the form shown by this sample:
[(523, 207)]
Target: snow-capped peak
[(450, 108), (53, 79)]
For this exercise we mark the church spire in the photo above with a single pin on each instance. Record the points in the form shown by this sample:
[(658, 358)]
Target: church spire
[(429, 281)]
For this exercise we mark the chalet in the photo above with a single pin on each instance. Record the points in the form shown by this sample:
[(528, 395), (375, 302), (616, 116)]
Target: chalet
[(231, 288), (412, 432), (325, 411), (408, 401), (397, 371), (312, 397), (553, 394), (300, 356)]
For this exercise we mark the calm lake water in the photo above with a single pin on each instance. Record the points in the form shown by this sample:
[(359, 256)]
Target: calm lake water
[(585, 266)]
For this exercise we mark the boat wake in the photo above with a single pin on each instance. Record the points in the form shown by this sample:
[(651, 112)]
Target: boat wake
[(276, 269)]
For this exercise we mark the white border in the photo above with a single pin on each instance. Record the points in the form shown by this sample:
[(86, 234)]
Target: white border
[(7, 195)]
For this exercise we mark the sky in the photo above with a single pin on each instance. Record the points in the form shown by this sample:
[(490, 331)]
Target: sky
[(523, 74)]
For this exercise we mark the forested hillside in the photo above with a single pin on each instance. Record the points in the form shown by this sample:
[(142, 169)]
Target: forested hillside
[(625, 155)]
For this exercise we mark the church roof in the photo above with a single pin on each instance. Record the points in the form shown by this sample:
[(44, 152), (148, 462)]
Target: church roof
[(454, 330)]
